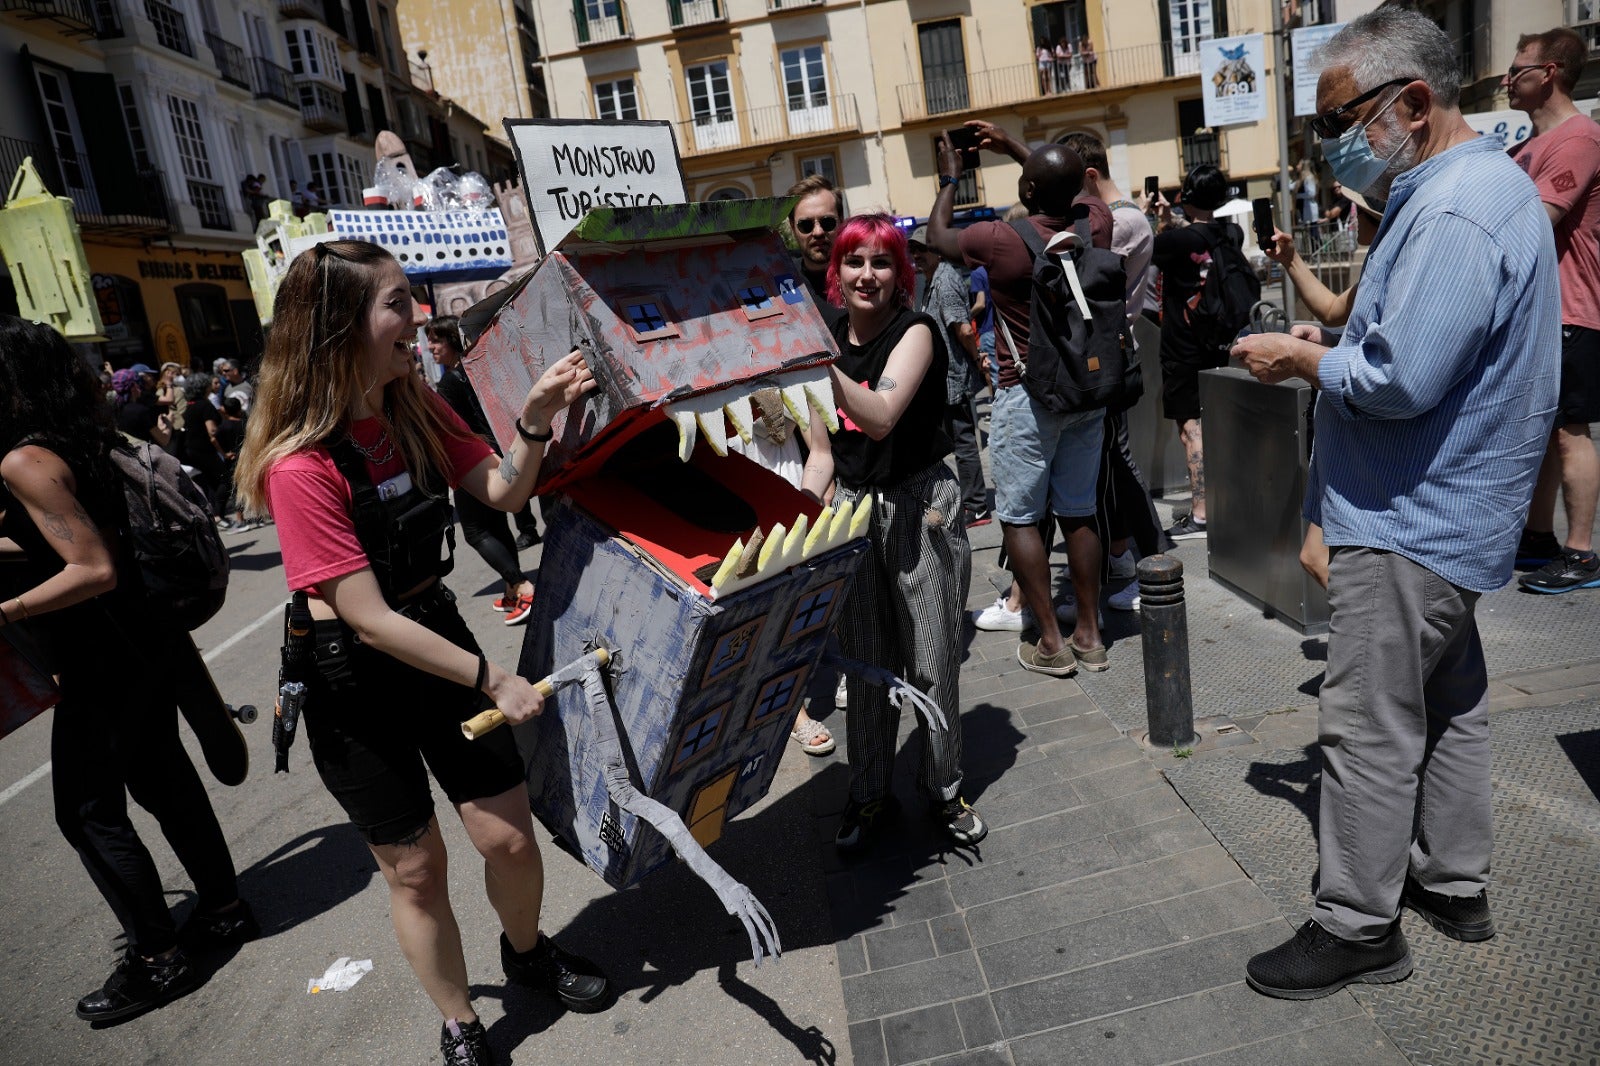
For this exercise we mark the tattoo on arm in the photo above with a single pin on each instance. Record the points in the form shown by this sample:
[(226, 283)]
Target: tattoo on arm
[(56, 525), (508, 468), (887, 384), (83, 516)]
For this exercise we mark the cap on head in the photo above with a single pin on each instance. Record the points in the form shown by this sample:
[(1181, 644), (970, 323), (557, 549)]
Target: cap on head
[(141, 368), (918, 238)]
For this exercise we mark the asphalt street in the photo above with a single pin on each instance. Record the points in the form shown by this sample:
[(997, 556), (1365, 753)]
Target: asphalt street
[(689, 991)]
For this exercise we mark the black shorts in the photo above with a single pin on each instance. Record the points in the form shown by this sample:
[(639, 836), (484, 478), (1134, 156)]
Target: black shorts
[(1180, 383), (373, 722), (1580, 376)]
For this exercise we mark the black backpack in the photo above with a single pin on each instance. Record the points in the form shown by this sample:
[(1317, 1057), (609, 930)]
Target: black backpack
[(170, 536), (1079, 348), (1231, 288)]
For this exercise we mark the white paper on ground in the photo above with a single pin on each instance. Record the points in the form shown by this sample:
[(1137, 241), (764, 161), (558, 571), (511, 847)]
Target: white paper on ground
[(340, 977)]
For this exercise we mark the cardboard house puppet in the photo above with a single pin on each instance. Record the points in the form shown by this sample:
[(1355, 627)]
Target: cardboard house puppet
[(712, 581)]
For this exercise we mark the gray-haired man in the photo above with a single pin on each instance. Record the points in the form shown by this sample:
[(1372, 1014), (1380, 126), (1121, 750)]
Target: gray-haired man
[(1432, 416)]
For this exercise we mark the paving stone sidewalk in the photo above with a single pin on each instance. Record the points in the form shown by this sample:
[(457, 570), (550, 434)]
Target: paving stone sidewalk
[(1105, 919)]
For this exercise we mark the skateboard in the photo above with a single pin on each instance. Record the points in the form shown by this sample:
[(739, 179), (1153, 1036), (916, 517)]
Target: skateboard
[(215, 723), (26, 689)]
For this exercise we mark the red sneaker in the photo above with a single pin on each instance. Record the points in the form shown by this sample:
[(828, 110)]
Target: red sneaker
[(519, 614), (504, 604)]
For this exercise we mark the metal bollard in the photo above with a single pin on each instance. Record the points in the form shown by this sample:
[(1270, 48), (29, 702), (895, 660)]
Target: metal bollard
[(1165, 623)]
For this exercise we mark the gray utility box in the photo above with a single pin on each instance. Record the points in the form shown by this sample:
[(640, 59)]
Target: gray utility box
[(1257, 461)]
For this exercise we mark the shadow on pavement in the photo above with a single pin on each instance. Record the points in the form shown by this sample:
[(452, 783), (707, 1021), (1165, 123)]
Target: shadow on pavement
[(1584, 751), (311, 874), (1298, 782)]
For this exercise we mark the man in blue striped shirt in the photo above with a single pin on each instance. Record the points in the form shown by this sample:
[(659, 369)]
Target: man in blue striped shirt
[(1432, 419)]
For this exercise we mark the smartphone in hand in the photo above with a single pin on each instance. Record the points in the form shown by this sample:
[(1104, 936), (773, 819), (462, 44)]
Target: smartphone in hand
[(1262, 206), (964, 139), (1152, 187)]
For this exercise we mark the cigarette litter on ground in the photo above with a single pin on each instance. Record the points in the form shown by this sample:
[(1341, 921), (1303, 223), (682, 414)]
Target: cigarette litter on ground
[(340, 977)]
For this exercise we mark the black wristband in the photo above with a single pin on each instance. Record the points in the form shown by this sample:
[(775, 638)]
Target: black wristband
[(946, 179), (531, 437), (483, 672)]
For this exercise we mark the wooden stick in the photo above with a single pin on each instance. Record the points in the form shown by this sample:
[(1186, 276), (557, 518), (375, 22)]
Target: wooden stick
[(492, 719)]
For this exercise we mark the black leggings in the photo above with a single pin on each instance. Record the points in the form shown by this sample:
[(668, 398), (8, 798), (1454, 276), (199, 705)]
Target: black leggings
[(115, 734), (489, 533)]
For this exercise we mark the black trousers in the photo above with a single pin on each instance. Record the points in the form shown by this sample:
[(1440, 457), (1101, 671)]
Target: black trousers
[(1126, 509), (961, 420), (115, 734), (489, 533)]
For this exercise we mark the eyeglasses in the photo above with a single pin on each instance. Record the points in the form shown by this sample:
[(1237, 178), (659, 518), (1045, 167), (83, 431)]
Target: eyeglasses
[(1515, 72), (1331, 124), (806, 225)]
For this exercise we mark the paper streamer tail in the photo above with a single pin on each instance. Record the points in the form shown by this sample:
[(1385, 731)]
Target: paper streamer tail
[(901, 691)]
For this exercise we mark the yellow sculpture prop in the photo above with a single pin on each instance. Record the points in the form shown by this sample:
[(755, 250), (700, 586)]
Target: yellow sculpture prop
[(279, 238), (42, 249)]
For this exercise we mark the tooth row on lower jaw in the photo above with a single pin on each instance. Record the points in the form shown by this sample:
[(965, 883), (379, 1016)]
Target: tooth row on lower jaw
[(771, 552), (710, 413)]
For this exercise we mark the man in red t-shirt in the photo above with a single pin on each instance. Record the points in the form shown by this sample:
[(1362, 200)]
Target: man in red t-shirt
[(1043, 463), (1563, 159)]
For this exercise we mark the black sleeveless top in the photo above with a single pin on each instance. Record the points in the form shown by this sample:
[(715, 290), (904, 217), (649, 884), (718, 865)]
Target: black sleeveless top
[(918, 439)]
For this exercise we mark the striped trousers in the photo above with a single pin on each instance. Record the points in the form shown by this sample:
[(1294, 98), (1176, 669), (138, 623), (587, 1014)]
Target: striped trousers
[(906, 613)]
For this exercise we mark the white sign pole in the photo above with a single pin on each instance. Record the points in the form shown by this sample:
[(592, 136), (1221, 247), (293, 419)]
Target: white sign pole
[(571, 166)]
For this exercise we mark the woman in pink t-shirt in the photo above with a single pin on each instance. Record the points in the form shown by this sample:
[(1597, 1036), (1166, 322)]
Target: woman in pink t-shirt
[(351, 454)]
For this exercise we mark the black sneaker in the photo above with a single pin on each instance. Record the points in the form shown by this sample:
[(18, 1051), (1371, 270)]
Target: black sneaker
[(1566, 572), (465, 1044), (138, 985), (1315, 963), (862, 823), (528, 539), (1186, 528), (965, 826), (220, 929), (577, 983), (1464, 918), (1536, 549)]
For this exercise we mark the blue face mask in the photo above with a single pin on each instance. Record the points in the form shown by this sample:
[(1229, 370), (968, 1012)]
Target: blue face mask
[(1351, 157)]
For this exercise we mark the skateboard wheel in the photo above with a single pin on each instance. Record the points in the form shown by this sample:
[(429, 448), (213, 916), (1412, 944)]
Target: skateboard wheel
[(245, 714)]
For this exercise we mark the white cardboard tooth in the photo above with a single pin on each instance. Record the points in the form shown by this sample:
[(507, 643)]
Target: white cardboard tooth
[(714, 428), (729, 565), (817, 539), (794, 545), (687, 430), (863, 515), (771, 548), (839, 531), (794, 399), (820, 393), (739, 414)]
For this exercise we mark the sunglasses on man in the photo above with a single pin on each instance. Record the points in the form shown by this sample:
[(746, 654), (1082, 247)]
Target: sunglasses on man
[(1331, 124), (806, 225)]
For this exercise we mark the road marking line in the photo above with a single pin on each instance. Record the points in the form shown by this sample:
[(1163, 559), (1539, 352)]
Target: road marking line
[(209, 657)]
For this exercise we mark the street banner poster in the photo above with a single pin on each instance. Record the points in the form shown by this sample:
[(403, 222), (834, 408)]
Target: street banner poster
[(571, 166), (1510, 128), (1304, 43), (1237, 68)]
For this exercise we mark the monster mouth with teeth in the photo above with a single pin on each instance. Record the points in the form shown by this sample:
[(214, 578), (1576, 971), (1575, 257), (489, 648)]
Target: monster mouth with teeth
[(713, 581)]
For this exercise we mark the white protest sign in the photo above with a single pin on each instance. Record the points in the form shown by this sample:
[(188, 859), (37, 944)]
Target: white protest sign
[(1305, 41), (571, 166), (1510, 127), (1236, 70)]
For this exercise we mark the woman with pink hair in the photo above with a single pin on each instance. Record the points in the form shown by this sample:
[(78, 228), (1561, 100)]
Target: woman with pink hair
[(905, 611)]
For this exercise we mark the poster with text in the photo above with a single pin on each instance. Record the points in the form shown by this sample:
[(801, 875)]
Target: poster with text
[(1233, 72), (1304, 42), (1510, 128), (571, 166)]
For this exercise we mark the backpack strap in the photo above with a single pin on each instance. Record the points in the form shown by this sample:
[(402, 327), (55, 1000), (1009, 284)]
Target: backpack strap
[(366, 507), (1030, 236)]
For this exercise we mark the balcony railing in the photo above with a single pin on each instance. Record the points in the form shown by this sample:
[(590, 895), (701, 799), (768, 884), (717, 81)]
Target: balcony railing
[(172, 29), (681, 13), (321, 108), (74, 17), (726, 130), (411, 126), (213, 207), (107, 20), (1584, 16), (618, 27), (273, 82), (1201, 149), (231, 62), (298, 9), (790, 5), (987, 89), (138, 206)]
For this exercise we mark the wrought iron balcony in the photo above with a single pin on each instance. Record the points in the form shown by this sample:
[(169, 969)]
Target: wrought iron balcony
[(682, 13), (231, 62), (137, 206), (614, 27), (172, 29), (781, 124), (1201, 149), (273, 82), (988, 89), (74, 18), (298, 9), (790, 5)]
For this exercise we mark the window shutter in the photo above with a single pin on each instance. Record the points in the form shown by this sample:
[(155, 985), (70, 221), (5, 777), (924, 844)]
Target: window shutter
[(111, 160)]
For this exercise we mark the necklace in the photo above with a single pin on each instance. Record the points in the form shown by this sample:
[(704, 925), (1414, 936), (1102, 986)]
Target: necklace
[(380, 453)]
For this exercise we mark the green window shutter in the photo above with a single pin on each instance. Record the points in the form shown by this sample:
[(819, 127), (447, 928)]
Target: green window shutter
[(580, 17)]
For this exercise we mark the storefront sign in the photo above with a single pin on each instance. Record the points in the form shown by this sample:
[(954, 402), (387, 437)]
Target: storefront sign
[(178, 270), (1234, 79)]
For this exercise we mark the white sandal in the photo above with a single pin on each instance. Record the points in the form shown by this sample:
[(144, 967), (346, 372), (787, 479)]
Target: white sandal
[(809, 730)]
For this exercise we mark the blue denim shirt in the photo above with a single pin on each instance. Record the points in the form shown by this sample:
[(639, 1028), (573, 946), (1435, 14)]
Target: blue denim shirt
[(1437, 404)]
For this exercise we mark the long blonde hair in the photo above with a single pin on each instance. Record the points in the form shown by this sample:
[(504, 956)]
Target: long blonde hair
[(310, 374)]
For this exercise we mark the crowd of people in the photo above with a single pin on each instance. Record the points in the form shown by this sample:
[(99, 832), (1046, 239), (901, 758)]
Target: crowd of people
[(1452, 413)]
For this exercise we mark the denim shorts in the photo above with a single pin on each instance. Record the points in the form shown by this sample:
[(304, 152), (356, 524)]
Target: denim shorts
[(1041, 460)]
